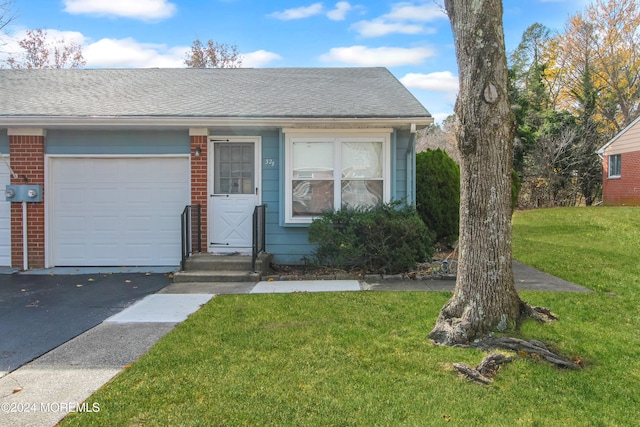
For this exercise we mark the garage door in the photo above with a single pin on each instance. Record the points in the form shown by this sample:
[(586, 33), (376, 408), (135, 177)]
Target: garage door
[(5, 217), (117, 211)]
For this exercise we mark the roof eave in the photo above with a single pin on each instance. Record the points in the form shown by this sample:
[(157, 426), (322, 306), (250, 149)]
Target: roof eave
[(53, 122)]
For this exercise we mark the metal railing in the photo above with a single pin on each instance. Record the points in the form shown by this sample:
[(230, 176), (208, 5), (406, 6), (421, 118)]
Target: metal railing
[(259, 233), (191, 226)]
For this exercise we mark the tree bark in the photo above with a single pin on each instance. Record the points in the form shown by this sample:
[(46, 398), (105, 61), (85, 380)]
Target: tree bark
[(484, 299)]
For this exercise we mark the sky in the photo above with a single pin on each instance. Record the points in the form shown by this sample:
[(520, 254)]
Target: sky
[(411, 38)]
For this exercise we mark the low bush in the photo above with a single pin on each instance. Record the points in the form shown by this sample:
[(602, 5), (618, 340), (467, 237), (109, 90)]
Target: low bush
[(389, 238)]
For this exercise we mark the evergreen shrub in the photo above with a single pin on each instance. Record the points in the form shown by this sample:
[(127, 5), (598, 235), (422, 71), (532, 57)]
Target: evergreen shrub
[(438, 194), (388, 238)]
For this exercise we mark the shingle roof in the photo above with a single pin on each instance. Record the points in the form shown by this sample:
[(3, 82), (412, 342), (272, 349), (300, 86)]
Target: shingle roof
[(187, 92)]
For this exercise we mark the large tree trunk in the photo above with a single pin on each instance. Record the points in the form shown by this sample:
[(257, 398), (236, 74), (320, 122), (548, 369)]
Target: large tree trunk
[(484, 298)]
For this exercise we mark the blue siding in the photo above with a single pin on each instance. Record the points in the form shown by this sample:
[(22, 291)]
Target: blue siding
[(402, 192), (288, 242), (117, 142), (4, 142)]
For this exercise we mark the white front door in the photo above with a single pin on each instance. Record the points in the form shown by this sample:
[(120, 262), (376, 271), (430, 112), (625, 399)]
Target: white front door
[(235, 193)]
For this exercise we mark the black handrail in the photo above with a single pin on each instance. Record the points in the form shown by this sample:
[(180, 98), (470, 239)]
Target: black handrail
[(259, 233), (191, 226)]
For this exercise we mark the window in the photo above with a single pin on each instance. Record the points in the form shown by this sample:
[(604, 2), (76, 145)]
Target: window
[(332, 172), (614, 166)]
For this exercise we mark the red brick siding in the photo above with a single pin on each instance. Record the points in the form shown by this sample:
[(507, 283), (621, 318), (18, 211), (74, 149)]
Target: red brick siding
[(199, 179), (27, 160), (624, 190)]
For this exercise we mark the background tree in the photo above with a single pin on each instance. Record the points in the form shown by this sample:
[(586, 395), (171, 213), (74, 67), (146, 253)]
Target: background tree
[(528, 91), (559, 128), (440, 136), (40, 51), (6, 16), (484, 298), (213, 55)]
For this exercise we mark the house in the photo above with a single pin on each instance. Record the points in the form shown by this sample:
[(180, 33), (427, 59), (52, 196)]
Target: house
[(621, 167), (117, 154)]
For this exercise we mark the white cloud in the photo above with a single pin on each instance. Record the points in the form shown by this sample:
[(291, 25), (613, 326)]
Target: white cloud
[(441, 81), (145, 10), (404, 18), (379, 27), (258, 58), (129, 53), (299, 12), (340, 12), (380, 57), (426, 12)]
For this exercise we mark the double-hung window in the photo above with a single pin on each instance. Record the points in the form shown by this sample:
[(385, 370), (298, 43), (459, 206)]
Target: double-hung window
[(615, 166), (329, 172)]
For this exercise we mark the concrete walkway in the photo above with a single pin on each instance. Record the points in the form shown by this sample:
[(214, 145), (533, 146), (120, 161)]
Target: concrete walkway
[(44, 391)]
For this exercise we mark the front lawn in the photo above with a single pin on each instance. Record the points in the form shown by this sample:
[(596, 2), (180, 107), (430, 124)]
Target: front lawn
[(365, 359)]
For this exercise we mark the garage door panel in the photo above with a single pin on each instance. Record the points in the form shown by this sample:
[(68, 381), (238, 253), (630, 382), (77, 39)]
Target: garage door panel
[(105, 254), (139, 224), (124, 211), (105, 224)]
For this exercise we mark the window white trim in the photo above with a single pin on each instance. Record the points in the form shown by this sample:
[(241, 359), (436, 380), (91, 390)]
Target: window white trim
[(617, 173), (337, 138)]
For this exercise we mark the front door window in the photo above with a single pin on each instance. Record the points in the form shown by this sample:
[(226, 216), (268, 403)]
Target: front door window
[(234, 168)]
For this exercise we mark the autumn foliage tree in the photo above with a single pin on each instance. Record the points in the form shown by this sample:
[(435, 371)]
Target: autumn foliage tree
[(213, 55), (40, 51), (606, 39), (588, 76)]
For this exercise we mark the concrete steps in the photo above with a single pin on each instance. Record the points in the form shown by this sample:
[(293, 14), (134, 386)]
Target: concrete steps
[(222, 268)]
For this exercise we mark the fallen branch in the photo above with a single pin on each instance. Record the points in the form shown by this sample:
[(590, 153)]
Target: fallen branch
[(486, 370), (471, 373)]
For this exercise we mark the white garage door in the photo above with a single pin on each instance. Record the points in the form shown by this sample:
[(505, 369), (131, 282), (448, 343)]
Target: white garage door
[(117, 211), (5, 217)]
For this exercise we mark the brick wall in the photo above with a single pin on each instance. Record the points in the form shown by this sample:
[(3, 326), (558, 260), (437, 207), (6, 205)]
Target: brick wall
[(27, 161), (619, 191), (199, 178)]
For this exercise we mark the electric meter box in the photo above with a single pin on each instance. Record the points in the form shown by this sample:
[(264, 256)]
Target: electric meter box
[(23, 193)]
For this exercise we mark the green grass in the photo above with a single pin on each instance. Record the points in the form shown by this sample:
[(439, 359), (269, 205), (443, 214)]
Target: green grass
[(364, 358)]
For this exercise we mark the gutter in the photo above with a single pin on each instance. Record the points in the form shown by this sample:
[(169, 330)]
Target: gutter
[(52, 122)]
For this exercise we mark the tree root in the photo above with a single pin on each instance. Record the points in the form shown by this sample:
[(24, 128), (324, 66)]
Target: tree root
[(486, 370), (533, 348), (540, 314)]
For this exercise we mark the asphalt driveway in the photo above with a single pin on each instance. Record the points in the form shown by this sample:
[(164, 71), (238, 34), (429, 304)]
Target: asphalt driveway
[(40, 312)]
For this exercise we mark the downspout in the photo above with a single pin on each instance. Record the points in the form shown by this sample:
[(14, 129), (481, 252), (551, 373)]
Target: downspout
[(25, 256), (411, 167)]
